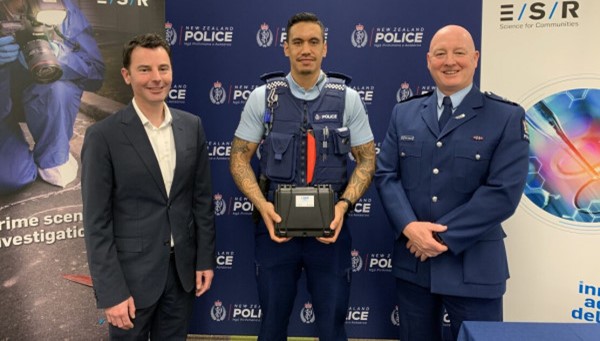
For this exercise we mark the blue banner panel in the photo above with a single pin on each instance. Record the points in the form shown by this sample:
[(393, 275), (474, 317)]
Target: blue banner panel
[(220, 48)]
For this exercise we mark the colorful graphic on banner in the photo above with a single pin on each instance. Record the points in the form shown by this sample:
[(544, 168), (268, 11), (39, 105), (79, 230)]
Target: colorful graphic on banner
[(563, 178)]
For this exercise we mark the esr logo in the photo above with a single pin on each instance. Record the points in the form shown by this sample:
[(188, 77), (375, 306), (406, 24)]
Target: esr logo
[(140, 3), (539, 10)]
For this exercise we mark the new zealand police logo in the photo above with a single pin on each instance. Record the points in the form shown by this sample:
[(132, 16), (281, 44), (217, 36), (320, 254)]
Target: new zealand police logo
[(264, 36), (395, 317), (220, 206), (218, 312), (404, 92), (171, 34), (307, 314), (217, 93), (359, 36), (357, 262)]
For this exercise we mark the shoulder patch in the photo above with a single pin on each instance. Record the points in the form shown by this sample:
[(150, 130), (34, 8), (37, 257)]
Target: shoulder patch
[(495, 97), (524, 130), (426, 94)]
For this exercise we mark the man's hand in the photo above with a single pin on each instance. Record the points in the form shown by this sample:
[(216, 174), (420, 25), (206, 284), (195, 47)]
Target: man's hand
[(421, 242), (9, 50), (203, 281), (121, 314), (336, 224), (270, 217)]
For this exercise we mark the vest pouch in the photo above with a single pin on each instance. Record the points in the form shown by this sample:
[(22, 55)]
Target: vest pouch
[(341, 140), (281, 157)]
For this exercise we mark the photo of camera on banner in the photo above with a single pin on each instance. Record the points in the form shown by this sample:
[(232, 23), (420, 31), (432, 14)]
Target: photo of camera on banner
[(32, 23)]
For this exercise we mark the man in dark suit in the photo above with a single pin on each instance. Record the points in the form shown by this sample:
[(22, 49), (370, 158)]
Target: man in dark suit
[(446, 189), (147, 205)]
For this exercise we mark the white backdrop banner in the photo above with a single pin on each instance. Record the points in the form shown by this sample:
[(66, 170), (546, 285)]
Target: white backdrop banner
[(543, 55)]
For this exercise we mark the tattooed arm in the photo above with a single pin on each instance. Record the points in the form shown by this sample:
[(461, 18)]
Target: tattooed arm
[(363, 172), (245, 179), (360, 180)]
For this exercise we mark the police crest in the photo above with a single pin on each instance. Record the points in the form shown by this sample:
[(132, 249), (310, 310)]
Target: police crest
[(218, 312), (395, 317), (404, 92), (264, 36), (170, 34), (359, 36), (217, 93), (220, 206), (357, 262), (307, 314)]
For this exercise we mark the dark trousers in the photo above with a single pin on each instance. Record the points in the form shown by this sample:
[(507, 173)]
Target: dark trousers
[(328, 275), (167, 319), (421, 311)]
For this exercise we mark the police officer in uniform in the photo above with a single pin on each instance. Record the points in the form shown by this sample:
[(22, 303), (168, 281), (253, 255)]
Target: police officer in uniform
[(287, 113), (446, 188)]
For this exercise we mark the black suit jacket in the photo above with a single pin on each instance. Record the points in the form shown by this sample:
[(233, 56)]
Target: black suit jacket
[(128, 217)]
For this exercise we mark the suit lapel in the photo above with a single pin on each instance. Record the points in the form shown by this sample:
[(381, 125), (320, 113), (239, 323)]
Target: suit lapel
[(136, 134), (180, 135)]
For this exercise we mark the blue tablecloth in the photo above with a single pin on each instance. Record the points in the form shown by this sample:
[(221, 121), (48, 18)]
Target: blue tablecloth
[(521, 331)]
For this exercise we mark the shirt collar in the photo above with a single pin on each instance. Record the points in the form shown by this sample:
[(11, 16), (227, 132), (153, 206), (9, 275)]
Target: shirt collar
[(456, 97), (309, 94), (168, 117)]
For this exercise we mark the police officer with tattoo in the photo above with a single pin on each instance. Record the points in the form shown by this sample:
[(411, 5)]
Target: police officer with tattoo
[(306, 123)]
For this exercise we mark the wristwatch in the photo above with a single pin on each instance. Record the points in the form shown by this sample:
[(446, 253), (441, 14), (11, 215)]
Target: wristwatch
[(348, 202)]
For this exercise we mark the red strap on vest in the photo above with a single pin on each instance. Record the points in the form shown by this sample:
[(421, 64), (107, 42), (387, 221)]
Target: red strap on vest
[(311, 156)]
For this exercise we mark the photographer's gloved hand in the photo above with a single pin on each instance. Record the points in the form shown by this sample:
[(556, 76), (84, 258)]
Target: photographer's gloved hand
[(9, 50)]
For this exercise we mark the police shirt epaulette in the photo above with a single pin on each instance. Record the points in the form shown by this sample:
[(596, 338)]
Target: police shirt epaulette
[(495, 97), (347, 79), (421, 95), (266, 76)]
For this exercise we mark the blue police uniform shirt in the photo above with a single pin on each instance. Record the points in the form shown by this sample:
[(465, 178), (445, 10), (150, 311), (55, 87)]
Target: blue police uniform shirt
[(251, 126), (456, 99)]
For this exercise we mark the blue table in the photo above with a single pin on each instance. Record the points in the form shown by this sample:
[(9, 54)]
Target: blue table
[(521, 331)]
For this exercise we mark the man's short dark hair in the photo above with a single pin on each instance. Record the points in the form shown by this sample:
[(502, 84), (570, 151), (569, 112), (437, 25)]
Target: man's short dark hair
[(304, 17), (147, 40)]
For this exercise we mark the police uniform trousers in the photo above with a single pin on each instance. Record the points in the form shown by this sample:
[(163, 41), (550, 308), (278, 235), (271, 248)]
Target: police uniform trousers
[(421, 312), (328, 275)]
